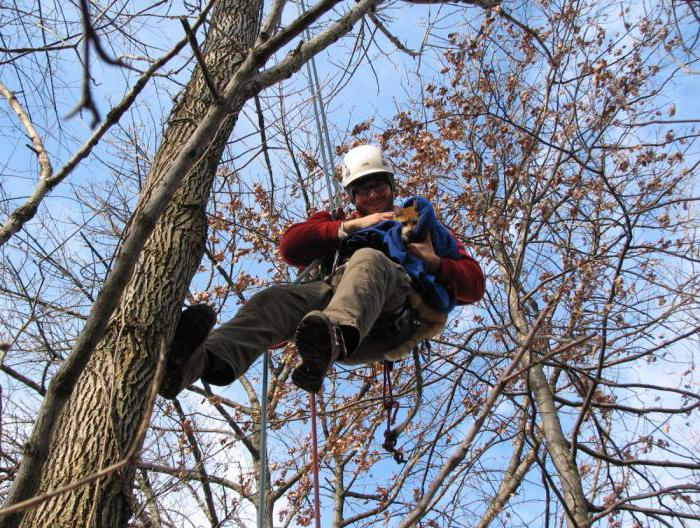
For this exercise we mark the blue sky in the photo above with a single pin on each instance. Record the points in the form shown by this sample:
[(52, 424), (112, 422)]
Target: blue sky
[(364, 96)]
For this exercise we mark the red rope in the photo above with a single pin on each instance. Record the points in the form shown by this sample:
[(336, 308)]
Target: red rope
[(392, 408), (314, 442)]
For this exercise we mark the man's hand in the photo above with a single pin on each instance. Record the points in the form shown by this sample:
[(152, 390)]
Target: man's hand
[(350, 226), (424, 251)]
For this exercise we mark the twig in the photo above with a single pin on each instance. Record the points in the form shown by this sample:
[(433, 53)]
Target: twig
[(45, 169), (527, 29), (240, 434), (629, 462), (224, 275), (663, 491), (200, 59), (86, 100), (265, 149), (199, 463), (392, 38), (90, 37), (272, 20), (45, 304), (485, 4), (192, 474), (130, 457), (26, 212), (21, 378)]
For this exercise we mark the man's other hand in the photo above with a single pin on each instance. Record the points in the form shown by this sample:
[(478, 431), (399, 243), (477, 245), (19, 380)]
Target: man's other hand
[(424, 251), (356, 224)]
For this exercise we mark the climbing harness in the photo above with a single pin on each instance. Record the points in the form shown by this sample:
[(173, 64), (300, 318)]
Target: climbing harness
[(393, 328)]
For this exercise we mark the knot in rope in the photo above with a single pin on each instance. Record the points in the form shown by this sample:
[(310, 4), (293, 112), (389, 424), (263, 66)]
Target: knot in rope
[(391, 406)]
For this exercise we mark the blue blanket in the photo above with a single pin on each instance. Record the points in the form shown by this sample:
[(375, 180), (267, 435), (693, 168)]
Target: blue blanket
[(386, 237)]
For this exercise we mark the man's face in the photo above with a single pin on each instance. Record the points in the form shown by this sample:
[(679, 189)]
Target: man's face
[(373, 195)]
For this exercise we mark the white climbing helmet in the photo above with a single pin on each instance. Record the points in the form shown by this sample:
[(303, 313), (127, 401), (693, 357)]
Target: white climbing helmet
[(365, 160)]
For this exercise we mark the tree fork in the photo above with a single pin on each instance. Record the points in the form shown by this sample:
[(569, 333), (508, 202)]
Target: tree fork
[(555, 442)]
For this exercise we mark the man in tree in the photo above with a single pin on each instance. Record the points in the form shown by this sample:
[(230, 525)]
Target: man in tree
[(359, 312)]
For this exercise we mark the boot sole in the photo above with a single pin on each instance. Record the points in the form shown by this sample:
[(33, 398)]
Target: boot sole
[(314, 340)]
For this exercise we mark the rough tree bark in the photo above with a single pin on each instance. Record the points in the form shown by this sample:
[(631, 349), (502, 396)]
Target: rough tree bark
[(150, 291), (97, 425)]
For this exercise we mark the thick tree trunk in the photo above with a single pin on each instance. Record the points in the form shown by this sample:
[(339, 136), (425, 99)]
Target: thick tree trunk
[(98, 425)]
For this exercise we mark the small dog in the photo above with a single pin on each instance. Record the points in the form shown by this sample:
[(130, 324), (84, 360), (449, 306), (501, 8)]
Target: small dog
[(408, 217)]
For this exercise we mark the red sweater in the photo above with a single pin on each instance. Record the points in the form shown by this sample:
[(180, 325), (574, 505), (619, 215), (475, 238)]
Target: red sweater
[(318, 237)]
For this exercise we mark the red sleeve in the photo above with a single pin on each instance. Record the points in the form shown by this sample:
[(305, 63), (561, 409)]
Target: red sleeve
[(315, 237), (463, 277)]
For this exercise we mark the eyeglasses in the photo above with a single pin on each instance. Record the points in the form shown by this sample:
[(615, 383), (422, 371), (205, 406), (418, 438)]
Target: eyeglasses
[(365, 190)]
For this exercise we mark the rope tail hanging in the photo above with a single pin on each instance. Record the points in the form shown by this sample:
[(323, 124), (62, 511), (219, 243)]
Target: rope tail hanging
[(262, 483), (314, 442), (391, 406)]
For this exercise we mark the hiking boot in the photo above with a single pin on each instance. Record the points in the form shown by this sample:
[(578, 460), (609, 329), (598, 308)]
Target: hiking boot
[(187, 357), (319, 342)]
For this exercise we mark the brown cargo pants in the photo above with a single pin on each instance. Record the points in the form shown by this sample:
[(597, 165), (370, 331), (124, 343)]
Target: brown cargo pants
[(366, 286)]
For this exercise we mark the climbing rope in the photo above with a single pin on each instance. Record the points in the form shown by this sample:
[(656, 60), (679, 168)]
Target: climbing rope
[(332, 188), (391, 406), (314, 442), (321, 122), (263, 417), (262, 483)]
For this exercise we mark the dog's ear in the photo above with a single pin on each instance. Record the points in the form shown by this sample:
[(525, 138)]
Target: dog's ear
[(406, 215)]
